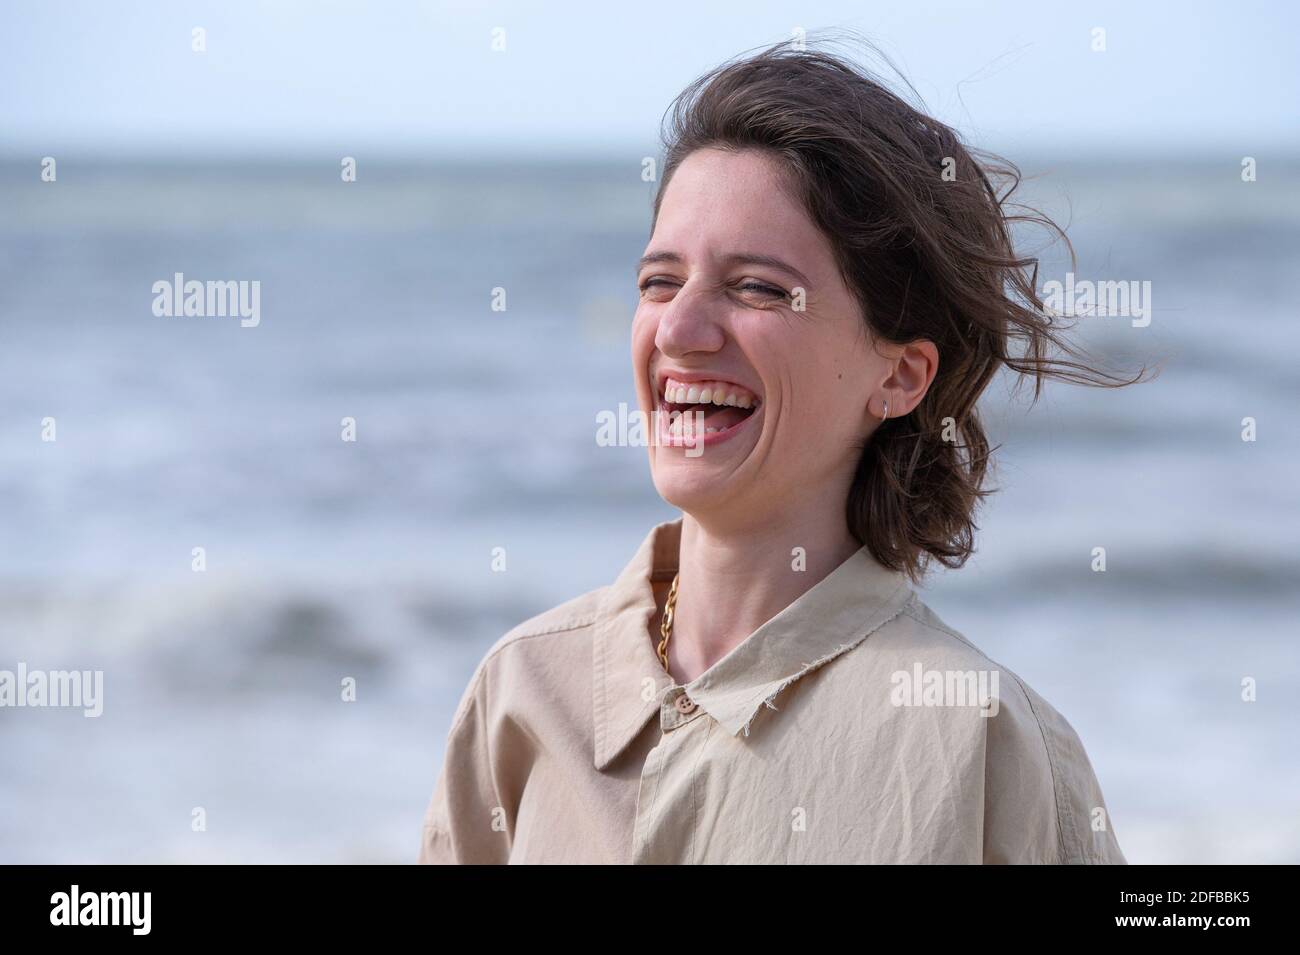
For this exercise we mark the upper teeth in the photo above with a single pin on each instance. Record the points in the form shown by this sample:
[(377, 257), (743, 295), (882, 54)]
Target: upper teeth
[(708, 392)]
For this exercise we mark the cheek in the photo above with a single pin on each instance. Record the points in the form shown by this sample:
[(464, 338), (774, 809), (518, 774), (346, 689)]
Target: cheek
[(824, 397), (643, 332), (818, 379), (643, 337)]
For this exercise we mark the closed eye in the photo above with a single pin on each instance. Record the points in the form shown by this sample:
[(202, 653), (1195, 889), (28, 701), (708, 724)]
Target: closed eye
[(760, 288), (765, 289)]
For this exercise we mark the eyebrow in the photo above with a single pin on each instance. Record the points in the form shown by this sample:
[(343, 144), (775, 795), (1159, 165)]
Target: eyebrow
[(735, 258)]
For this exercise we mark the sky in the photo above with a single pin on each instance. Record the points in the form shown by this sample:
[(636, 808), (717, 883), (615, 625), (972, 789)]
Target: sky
[(423, 78)]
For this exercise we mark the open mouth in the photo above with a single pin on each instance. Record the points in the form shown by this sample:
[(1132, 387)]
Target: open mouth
[(699, 408)]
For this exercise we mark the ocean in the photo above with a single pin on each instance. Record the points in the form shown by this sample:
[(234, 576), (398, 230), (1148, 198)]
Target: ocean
[(371, 559)]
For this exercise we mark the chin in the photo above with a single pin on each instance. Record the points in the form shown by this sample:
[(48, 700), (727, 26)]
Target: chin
[(695, 493)]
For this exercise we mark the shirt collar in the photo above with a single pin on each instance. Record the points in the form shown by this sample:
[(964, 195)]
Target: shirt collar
[(832, 617)]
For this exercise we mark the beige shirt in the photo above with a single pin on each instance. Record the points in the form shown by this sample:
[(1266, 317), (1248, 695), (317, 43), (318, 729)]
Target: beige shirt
[(854, 726)]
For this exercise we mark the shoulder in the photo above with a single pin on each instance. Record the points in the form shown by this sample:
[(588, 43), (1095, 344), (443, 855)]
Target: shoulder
[(560, 633), (917, 635), (521, 672), (1034, 758), (578, 614)]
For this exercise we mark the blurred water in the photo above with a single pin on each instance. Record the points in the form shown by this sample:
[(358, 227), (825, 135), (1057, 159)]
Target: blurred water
[(371, 559)]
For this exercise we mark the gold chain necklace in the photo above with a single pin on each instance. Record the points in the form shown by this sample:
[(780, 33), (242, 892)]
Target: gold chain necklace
[(666, 625)]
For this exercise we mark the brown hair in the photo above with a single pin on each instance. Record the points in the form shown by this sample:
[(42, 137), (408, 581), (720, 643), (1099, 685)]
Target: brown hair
[(927, 256)]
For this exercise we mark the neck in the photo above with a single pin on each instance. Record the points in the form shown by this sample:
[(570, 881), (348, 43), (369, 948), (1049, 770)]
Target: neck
[(734, 580)]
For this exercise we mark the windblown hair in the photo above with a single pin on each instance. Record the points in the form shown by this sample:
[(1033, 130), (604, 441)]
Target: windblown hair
[(926, 255)]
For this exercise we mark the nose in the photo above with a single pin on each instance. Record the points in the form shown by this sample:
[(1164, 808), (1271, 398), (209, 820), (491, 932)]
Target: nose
[(690, 323)]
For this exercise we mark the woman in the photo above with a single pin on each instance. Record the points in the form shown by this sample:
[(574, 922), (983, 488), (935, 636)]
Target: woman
[(829, 286)]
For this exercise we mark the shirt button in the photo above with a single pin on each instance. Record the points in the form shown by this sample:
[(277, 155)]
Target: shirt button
[(685, 704)]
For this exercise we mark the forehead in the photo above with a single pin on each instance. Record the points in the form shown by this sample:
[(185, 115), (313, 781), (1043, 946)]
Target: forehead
[(719, 202)]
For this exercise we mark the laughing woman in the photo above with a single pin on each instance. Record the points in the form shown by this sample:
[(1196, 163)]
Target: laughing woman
[(829, 285)]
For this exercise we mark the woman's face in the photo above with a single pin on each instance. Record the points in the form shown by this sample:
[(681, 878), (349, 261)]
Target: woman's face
[(745, 320)]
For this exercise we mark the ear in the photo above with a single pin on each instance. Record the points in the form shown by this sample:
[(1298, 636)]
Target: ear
[(914, 367)]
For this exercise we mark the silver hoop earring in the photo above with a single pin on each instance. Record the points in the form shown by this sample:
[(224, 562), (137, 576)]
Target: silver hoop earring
[(885, 416)]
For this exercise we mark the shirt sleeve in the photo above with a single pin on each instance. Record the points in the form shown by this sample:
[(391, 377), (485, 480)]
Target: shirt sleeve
[(465, 823), (1043, 804), (1087, 834)]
